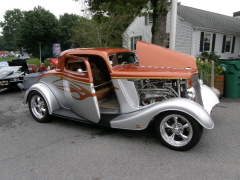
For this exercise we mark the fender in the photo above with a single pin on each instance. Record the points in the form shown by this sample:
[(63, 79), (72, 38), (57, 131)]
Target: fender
[(47, 94), (209, 98), (140, 119)]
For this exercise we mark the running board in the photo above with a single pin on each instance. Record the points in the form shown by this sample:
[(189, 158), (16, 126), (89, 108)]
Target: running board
[(68, 114), (65, 113)]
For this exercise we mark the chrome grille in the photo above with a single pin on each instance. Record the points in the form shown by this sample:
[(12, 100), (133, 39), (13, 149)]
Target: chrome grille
[(197, 88)]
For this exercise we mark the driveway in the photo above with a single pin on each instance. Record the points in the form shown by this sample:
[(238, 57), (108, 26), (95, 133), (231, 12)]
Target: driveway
[(65, 149)]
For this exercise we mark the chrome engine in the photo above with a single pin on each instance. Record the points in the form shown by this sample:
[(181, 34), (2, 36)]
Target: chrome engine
[(154, 90)]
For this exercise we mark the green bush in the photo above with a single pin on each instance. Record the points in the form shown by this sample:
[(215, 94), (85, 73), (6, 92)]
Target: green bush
[(204, 70), (29, 61)]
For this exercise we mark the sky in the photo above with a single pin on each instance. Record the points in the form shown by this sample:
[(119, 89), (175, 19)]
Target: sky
[(59, 7)]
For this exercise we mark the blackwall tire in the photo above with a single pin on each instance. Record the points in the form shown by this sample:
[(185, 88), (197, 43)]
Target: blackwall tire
[(178, 131), (38, 107)]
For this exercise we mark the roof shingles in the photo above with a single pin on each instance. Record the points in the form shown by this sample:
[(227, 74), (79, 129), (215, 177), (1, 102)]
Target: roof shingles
[(209, 20)]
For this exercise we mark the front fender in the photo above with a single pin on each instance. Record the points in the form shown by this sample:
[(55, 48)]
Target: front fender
[(140, 119), (47, 94), (209, 98)]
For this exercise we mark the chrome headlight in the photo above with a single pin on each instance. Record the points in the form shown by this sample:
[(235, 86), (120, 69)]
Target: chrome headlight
[(191, 93)]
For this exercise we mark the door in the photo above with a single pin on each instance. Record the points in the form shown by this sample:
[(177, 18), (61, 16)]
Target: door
[(78, 83)]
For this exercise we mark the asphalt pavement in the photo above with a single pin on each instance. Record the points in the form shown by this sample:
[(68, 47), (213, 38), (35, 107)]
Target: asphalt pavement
[(65, 149)]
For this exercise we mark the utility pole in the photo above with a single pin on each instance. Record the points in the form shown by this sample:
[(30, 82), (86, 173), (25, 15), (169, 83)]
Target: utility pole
[(40, 52), (173, 24)]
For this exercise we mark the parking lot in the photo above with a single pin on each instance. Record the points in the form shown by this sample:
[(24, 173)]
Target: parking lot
[(65, 149)]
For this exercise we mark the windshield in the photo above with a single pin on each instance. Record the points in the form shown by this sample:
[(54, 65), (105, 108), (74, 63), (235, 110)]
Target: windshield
[(14, 68), (123, 58)]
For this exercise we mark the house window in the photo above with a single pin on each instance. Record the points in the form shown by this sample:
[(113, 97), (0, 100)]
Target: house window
[(228, 43), (168, 40), (207, 41), (148, 19), (134, 42)]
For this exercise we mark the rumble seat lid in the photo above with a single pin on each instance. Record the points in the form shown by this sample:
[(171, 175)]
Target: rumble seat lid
[(157, 56)]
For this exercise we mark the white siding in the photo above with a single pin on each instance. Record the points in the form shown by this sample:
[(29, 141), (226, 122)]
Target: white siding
[(218, 45), (183, 36), (196, 44), (138, 28), (187, 39)]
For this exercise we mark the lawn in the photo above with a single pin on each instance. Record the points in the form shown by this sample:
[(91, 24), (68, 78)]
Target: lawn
[(29, 61)]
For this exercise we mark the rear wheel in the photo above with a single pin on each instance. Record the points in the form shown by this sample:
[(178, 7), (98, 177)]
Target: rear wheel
[(38, 107), (178, 130)]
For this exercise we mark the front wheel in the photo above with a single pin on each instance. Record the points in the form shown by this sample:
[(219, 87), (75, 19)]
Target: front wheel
[(38, 107), (178, 131)]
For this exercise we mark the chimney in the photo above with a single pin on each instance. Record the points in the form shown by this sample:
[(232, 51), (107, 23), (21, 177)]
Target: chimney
[(236, 14)]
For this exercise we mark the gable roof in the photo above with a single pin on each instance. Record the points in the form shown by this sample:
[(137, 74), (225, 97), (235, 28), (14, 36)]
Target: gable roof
[(209, 20)]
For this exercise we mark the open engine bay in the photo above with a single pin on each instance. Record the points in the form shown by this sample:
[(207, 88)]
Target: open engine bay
[(154, 90)]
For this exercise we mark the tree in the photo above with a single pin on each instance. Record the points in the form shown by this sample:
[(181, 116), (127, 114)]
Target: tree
[(2, 44), (39, 26), (108, 20), (132, 8), (98, 33), (159, 14), (67, 22), (12, 18)]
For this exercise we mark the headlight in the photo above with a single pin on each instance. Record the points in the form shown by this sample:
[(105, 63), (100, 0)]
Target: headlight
[(191, 93), (3, 83)]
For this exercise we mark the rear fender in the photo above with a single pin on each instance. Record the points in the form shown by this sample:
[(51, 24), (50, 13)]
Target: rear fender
[(140, 119), (47, 94)]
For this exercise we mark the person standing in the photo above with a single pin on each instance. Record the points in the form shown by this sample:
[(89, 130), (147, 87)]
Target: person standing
[(42, 68)]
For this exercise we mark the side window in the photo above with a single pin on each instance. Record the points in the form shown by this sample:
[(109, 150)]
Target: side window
[(123, 58), (73, 64)]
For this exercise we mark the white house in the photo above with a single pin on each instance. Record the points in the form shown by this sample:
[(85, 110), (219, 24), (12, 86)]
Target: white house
[(197, 31)]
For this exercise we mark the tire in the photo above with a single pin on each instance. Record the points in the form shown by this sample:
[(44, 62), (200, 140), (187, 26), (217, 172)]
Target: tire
[(38, 107), (178, 131)]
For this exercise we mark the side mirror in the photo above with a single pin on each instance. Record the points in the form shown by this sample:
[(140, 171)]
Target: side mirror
[(80, 71)]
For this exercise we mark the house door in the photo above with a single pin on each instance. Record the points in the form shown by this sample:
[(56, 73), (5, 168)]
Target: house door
[(81, 94)]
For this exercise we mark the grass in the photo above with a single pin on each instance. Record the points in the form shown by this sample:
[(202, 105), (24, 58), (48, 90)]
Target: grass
[(29, 61)]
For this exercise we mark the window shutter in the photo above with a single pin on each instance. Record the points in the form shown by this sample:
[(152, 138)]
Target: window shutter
[(233, 44), (213, 42), (131, 43), (146, 19), (201, 42), (223, 44)]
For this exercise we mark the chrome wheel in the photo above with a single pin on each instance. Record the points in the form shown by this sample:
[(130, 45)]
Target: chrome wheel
[(38, 106), (176, 130)]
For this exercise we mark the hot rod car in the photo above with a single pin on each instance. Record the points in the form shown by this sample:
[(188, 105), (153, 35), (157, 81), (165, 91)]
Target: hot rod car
[(120, 89)]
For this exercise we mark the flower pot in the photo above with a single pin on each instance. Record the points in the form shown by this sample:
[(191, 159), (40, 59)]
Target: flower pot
[(219, 83)]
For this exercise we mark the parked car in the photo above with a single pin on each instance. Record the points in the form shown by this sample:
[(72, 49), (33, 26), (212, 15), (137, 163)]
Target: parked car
[(13, 74), (120, 89)]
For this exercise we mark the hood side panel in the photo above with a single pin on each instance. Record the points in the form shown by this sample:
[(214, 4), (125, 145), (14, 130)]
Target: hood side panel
[(157, 56)]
